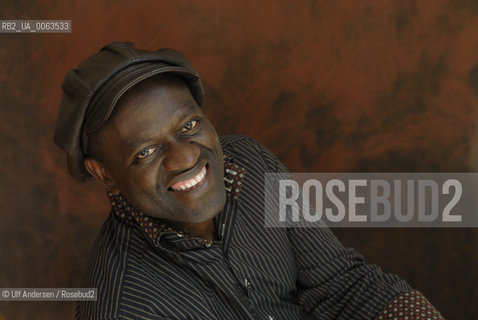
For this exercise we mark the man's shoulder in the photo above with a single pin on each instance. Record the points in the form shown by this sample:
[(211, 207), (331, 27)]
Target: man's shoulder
[(240, 144), (115, 249), (117, 243), (230, 139), (114, 236), (248, 152)]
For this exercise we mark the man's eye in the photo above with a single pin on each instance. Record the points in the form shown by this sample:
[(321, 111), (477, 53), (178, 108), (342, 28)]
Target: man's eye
[(189, 126), (146, 152)]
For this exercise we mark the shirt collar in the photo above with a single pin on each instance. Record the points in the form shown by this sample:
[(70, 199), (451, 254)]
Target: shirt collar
[(156, 228)]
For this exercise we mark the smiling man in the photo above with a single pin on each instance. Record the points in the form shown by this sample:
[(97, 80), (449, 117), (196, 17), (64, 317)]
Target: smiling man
[(186, 238)]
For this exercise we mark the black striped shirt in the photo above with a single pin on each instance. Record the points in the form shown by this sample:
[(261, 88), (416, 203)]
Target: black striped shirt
[(251, 272)]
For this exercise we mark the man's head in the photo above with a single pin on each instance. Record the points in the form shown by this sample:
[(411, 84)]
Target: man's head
[(143, 134)]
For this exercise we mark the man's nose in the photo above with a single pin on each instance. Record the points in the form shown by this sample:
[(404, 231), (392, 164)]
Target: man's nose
[(181, 155)]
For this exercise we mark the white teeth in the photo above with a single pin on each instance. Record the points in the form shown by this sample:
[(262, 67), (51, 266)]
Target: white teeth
[(194, 181)]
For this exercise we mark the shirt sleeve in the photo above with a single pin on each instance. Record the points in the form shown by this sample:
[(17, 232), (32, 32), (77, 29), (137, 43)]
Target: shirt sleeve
[(409, 305), (335, 282)]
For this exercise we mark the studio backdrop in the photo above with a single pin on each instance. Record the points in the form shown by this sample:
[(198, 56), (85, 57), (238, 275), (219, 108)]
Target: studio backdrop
[(328, 86)]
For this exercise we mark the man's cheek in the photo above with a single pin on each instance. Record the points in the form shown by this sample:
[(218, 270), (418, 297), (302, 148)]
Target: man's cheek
[(208, 133)]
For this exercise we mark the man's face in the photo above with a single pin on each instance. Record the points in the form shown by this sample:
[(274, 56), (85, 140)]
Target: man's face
[(163, 154)]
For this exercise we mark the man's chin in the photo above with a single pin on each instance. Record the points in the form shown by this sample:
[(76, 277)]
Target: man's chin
[(206, 214)]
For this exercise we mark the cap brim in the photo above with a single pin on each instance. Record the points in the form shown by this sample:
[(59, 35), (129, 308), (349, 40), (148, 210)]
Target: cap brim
[(105, 100)]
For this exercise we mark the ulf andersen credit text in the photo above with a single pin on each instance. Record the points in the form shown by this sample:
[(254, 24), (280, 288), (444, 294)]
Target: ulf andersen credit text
[(38, 294)]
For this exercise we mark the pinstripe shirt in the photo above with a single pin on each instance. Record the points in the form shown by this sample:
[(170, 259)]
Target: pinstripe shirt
[(145, 270)]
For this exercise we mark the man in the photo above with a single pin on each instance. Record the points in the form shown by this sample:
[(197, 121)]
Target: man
[(186, 238)]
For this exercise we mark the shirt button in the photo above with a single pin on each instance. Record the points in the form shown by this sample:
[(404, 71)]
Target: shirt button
[(247, 283), (271, 317), (208, 244)]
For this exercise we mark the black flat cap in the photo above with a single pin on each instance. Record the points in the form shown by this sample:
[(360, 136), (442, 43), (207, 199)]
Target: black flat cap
[(91, 91)]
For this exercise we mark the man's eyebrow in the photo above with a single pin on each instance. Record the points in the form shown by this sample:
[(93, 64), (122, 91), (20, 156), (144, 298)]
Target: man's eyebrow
[(189, 109)]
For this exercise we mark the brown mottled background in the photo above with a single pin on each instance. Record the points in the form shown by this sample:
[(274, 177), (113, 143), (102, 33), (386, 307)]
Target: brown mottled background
[(327, 85)]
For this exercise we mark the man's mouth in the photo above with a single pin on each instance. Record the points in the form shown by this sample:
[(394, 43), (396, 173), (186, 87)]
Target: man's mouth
[(191, 183)]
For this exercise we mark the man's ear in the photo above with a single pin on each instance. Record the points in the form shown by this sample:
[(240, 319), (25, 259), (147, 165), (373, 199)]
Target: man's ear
[(100, 172)]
